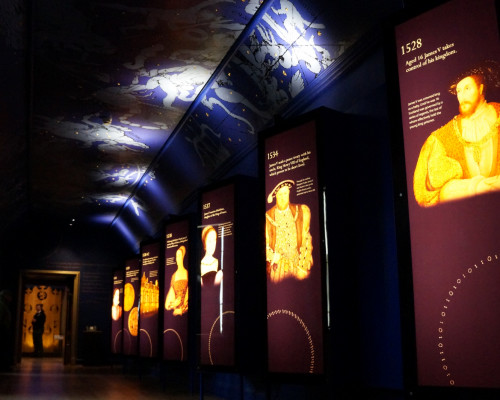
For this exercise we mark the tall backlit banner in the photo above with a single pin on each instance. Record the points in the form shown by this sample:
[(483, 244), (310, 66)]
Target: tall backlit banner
[(150, 298), (217, 336), (176, 293), (131, 294), (117, 312), (293, 259), (448, 68)]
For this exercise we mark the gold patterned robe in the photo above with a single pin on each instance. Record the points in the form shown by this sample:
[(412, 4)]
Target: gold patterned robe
[(287, 235), (443, 159)]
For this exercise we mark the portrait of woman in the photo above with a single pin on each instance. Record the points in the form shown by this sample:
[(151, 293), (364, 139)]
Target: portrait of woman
[(210, 273), (177, 296), (116, 308)]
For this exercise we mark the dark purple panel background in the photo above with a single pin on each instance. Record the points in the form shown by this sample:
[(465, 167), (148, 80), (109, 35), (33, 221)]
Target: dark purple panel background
[(454, 245), (295, 311), (218, 348), (148, 321), (175, 328), (132, 276), (117, 325)]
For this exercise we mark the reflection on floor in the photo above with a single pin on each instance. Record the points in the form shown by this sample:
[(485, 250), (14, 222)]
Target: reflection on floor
[(49, 379), (140, 379)]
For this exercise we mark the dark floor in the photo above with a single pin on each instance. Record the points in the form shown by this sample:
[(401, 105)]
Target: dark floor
[(48, 378)]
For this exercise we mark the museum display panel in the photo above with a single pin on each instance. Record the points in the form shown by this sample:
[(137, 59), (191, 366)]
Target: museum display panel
[(231, 284), (217, 322), (131, 296), (149, 299), (176, 290), (447, 192), (117, 312), (293, 255)]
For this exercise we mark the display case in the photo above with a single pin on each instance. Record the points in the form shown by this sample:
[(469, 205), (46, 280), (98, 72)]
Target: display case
[(178, 250), (149, 303), (117, 312), (131, 296), (293, 234), (443, 76), (232, 313)]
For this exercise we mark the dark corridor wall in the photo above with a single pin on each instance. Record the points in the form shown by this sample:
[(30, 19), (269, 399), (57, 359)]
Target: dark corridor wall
[(94, 254)]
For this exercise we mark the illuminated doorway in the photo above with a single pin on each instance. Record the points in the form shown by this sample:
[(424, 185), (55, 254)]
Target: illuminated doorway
[(57, 291), (50, 298)]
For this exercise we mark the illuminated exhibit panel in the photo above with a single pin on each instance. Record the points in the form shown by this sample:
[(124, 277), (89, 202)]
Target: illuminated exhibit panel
[(51, 300), (150, 299), (117, 312), (217, 336), (176, 293), (131, 295), (293, 258), (447, 60)]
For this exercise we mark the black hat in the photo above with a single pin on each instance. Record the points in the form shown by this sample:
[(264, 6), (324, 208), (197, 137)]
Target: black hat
[(488, 70), (287, 182)]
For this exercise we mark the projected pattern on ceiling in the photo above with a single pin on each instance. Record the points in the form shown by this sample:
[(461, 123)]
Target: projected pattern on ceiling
[(136, 106)]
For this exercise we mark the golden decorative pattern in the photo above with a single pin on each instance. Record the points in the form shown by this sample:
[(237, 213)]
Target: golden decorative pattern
[(133, 321), (128, 296)]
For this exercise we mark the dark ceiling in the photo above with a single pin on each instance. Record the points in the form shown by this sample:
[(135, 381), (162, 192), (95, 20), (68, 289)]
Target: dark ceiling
[(115, 110)]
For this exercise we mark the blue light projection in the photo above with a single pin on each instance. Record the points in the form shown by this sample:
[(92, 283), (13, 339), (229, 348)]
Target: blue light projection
[(159, 201), (128, 235), (280, 57), (281, 54), (286, 50), (116, 176), (135, 213), (89, 133), (102, 219), (137, 84), (115, 80), (104, 199)]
